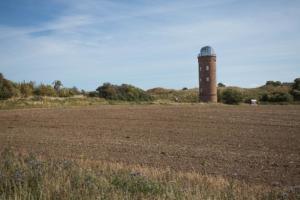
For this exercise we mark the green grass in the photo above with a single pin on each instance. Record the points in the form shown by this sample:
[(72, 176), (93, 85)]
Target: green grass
[(24, 176), (169, 95), (53, 102), (48, 102)]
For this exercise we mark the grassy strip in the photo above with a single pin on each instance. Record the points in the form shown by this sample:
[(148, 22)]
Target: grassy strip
[(48, 102), (54, 102), (27, 177), (59, 102)]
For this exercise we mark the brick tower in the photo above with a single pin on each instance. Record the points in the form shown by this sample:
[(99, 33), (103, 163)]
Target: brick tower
[(207, 75)]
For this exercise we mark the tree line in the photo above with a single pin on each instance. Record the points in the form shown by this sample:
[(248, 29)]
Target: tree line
[(124, 92), (272, 91), (9, 89)]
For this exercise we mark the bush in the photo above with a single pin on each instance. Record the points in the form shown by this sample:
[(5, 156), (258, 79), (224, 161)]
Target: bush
[(93, 94), (7, 88), (26, 89), (231, 96), (124, 92), (296, 84), (296, 95), (274, 83), (296, 89), (74, 91), (57, 84), (221, 85), (107, 91), (277, 97), (65, 92), (45, 90)]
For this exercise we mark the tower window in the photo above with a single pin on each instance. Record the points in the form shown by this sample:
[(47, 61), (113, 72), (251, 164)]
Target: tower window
[(200, 68), (207, 67), (200, 79), (207, 79)]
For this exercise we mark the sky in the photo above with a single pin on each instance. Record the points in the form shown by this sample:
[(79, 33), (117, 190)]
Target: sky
[(149, 43)]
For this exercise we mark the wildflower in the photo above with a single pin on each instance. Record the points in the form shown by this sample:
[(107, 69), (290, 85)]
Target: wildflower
[(19, 176)]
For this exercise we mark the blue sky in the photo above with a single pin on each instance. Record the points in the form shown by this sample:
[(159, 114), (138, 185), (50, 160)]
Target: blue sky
[(148, 43)]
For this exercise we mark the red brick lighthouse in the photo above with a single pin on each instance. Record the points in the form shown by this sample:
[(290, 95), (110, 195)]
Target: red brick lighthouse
[(207, 75)]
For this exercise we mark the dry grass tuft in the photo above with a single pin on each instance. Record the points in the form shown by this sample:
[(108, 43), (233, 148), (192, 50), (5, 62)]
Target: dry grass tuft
[(28, 177)]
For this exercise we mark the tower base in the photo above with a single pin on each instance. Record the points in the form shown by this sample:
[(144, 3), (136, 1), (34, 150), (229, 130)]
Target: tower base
[(209, 99)]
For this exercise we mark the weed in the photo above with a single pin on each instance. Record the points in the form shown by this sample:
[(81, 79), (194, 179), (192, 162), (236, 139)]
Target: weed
[(26, 177)]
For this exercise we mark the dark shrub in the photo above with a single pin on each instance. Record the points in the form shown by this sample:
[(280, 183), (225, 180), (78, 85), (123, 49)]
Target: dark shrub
[(74, 91), (65, 92), (231, 96), (281, 97), (296, 89), (7, 88), (131, 93), (264, 97), (248, 100), (274, 83), (124, 92), (26, 89), (93, 94), (221, 85), (107, 91), (296, 84), (277, 97), (296, 95), (57, 84), (45, 90), (68, 92)]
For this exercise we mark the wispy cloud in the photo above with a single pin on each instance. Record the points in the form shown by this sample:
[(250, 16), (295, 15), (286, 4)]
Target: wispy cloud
[(146, 43)]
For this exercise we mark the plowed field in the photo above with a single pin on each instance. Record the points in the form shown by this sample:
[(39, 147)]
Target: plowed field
[(255, 144)]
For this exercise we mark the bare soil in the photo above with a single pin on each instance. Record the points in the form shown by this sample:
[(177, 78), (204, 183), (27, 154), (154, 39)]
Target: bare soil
[(254, 144)]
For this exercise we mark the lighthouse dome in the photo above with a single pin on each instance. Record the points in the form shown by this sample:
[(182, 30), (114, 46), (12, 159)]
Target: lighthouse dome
[(207, 51)]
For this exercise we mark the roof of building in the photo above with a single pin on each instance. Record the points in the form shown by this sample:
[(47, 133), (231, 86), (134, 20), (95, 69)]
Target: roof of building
[(207, 51)]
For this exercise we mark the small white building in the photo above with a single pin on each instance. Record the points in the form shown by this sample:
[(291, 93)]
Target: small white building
[(253, 102)]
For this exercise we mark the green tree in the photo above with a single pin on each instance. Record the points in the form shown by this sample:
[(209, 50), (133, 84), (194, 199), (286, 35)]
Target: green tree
[(64, 92), (277, 97), (221, 85), (231, 96), (45, 90), (57, 84), (296, 89), (273, 83), (7, 88), (26, 89), (93, 94), (107, 91), (296, 84), (124, 92), (74, 91)]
